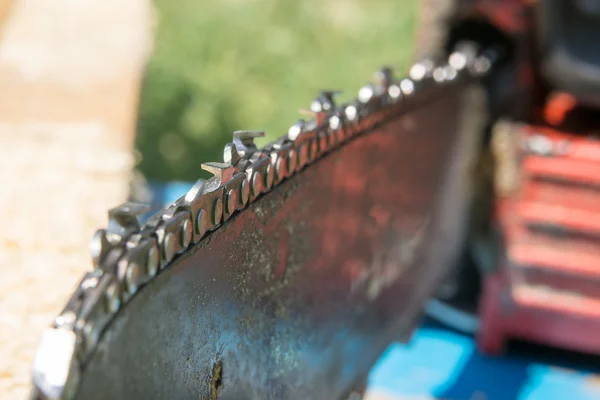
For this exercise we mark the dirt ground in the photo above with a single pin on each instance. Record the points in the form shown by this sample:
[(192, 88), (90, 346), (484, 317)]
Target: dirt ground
[(67, 112)]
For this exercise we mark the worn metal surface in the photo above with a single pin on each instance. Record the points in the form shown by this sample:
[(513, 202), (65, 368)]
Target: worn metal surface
[(297, 296)]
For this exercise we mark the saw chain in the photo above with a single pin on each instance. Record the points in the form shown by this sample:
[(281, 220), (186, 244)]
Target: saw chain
[(127, 254)]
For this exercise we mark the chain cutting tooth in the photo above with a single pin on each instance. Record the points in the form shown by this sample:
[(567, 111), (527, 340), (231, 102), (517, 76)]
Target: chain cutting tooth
[(101, 303), (338, 125), (407, 86), (231, 154), (259, 174), (444, 73), (387, 89), (235, 196), (373, 99), (370, 104), (95, 301), (394, 92), (244, 141), (287, 158), (205, 201), (440, 74), (253, 165), (484, 62), (384, 77), (304, 140), (313, 153), (463, 55), (421, 70), (366, 93), (139, 264), (242, 147), (320, 140), (100, 246), (270, 176), (303, 154), (197, 203), (279, 153), (351, 117), (123, 221), (324, 104), (174, 233), (295, 132), (324, 107), (279, 162), (131, 274), (433, 72), (68, 317), (362, 120)]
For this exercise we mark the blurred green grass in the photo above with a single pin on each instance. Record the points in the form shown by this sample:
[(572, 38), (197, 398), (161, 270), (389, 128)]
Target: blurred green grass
[(224, 65)]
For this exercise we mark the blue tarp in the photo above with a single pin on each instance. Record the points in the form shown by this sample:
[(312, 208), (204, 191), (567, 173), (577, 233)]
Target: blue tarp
[(441, 364)]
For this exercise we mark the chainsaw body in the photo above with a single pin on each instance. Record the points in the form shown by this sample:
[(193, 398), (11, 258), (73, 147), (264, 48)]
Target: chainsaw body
[(537, 251)]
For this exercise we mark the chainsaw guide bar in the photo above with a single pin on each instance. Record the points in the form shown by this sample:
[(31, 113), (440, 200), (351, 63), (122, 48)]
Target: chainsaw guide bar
[(286, 274)]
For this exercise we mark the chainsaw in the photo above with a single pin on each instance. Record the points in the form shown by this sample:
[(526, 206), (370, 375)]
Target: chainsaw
[(288, 272)]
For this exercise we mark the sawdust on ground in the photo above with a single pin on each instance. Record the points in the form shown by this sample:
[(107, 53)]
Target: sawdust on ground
[(69, 77)]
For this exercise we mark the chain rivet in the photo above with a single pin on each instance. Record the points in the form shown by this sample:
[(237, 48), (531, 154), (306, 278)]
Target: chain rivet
[(256, 183), (66, 320), (323, 143), (186, 233), (217, 211), (245, 192), (279, 166), (169, 244), (132, 277), (332, 138), (302, 156), (314, 150), (152, 261), (292, 162), (270, 177), (112, 298), (230, 201), (90, 336), (89, 283), (200, 224)]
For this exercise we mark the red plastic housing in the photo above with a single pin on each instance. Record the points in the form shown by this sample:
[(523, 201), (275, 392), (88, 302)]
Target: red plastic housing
[(547, 286)]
